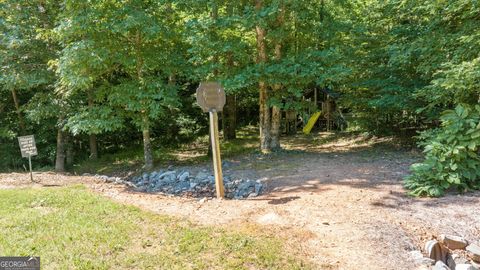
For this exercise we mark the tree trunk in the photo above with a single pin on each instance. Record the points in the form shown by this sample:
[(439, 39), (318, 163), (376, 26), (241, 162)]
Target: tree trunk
[(230, 110), (172, 79), (275, 122), (230, 118), (21, 122), (214, 17), (322, 7), (60, 157), (276, 112), (69, 151), (92, 137), (147, 147), (264, 119), (263, 97), (275, 132)]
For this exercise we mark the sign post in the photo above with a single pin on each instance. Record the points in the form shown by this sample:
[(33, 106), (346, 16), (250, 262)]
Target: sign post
[(30, 167), (28, 149), (211, 98)]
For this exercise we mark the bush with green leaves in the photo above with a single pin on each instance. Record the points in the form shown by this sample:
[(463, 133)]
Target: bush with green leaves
[(452, 155)]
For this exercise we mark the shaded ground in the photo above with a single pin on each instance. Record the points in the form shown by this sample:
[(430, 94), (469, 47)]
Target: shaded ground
[(339, 201)]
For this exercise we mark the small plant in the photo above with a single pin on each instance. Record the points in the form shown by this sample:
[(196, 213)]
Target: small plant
[(452, 158)]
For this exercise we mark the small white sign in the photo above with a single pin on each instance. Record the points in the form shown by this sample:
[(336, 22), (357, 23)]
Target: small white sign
[(27, 146)]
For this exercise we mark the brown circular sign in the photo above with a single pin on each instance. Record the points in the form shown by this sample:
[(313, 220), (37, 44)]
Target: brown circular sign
[(211, 96)]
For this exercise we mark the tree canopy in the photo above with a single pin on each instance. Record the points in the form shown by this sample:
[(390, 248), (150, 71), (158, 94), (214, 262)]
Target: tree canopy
[(119, 73)]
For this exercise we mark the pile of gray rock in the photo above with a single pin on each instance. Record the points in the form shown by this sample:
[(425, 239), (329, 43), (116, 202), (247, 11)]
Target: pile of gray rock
[(450, 252), (183, 182), (111, 179)]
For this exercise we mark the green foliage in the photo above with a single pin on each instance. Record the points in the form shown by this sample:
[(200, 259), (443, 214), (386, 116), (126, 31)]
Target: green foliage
[(452, 158), (411, 62), (112, 68), (121, 52), (24, 45)]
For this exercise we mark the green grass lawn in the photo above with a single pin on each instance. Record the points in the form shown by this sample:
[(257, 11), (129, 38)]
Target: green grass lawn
[(73, 228)]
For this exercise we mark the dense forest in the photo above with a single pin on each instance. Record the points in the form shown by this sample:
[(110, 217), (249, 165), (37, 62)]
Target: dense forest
[(89, 78)]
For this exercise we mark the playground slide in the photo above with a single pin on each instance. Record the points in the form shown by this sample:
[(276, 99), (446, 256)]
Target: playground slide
[(311, 122)]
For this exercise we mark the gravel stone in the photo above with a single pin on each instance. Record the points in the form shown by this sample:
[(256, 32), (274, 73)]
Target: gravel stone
[(464, 267), (201, 175), (474, 251), (435, 251), (453, 242), (439, 265), (184, 176), (203, 184)]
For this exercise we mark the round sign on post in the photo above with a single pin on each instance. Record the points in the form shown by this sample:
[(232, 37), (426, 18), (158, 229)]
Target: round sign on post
[(211, 98)]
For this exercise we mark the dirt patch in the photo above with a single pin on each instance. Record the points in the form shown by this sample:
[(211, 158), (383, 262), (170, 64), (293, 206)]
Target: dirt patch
[(343, 209), (41, 179)]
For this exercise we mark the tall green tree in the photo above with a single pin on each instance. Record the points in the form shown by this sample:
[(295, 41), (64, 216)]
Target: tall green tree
[(220, 49), (299, 49), (269, 44), (25, 50), (412, 62), (128, 47)]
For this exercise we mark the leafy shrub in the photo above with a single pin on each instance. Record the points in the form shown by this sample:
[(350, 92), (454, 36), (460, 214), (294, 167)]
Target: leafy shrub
[(452, 158)]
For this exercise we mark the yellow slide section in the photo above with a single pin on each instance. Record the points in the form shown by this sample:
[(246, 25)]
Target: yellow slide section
[(311, 122)]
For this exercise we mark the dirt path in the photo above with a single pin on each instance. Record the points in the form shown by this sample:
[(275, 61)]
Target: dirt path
[(343, 210)]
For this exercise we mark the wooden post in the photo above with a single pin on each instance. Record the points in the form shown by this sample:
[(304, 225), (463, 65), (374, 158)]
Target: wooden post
[(217, 162), (211, 98), (30, 167)]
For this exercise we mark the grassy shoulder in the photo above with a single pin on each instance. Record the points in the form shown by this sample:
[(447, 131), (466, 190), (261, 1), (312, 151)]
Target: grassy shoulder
[(73, 228)]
